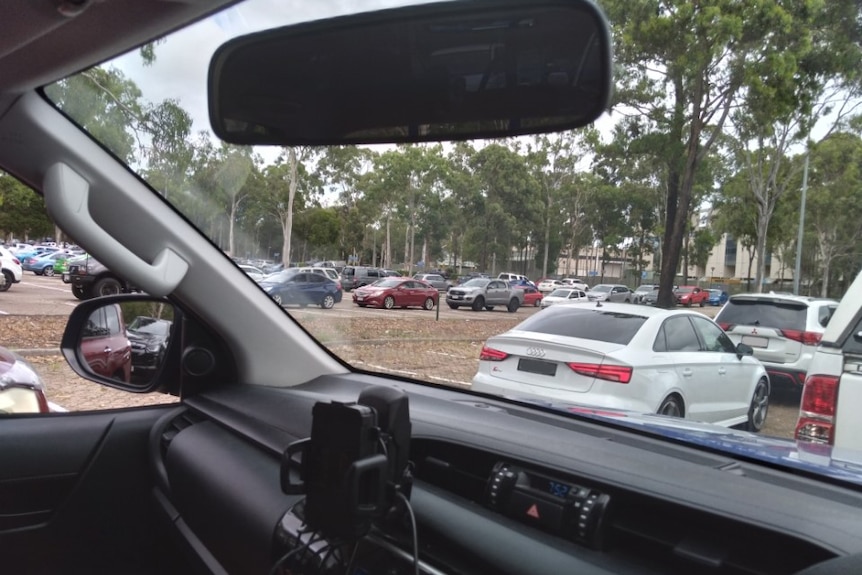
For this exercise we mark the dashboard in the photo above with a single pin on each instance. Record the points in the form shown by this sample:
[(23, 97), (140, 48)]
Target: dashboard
[(497, 489)]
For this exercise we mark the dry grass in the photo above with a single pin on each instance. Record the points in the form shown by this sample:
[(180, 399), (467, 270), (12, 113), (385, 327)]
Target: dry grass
[(444, 352)]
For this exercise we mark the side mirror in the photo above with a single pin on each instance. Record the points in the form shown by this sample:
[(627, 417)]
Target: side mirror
[(122, 341), (744, 349)]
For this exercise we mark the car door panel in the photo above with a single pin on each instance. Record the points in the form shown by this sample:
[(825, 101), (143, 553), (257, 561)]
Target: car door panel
[(696, 370), (75, 493), (730, 396)]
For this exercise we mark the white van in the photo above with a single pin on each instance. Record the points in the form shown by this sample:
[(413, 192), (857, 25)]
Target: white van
[(512, 277), (331, 273)]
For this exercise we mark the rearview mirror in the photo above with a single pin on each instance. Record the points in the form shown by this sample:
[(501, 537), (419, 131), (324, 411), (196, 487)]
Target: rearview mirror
[(446, 71), (121, 343)]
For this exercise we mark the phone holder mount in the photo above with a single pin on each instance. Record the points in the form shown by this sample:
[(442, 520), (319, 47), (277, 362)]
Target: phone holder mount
[(354, 464)]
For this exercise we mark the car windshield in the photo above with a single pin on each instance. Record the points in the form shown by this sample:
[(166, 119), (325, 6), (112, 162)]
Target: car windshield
[(281, 276), (664, 189), (149, 326), (388, 283)]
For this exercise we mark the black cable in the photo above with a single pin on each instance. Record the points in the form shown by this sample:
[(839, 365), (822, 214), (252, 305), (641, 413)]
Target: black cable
[(352, 557), (283, 559), (406, 502)]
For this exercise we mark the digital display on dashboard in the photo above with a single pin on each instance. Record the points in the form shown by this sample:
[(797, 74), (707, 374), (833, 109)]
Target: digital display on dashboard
[(550, 486)]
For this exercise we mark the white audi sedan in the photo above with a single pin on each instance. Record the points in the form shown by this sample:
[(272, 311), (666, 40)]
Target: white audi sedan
[(648, 360)]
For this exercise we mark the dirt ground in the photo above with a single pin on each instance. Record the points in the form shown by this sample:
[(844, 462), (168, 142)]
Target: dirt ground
[(444, 352)]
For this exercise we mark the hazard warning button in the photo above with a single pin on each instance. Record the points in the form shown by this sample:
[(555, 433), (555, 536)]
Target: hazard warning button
[(533, 510)]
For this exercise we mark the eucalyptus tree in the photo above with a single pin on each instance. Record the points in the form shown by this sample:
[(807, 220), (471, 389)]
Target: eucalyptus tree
[(555, 161), (683, 67), (809, 86), (835, 202), (510, 209), (285, 185), (22, 211)]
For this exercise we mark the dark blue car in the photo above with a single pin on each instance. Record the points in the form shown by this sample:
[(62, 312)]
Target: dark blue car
[(290, 287), (717, 297)]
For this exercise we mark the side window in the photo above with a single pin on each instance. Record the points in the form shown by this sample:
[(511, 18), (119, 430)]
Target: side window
[(825, 314), (96, 325), (113, 321), (680, 335), (712, 337), (660, 343), (347, 272), (316, 278)]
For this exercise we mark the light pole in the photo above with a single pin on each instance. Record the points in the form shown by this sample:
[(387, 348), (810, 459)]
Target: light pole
[(798, 268)]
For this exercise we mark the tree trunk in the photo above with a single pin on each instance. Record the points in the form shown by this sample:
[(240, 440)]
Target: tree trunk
[(406, 243), (230, 240), (748, 274), (763, 217), (387, 255), (826, 259), (547, 239), (288, 219)]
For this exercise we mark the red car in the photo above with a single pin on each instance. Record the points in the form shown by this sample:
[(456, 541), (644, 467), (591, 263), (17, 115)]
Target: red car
[(397, 292), (105, 346), (532, 296), (691, 295)]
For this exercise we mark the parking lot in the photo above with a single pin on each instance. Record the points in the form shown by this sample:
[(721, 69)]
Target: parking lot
[(437, 347)]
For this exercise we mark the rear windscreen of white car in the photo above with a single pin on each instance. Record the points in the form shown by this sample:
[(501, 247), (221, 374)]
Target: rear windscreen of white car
[(585, 323), (766, 313)]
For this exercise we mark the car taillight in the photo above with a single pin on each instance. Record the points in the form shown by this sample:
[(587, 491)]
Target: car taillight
[(803, 337), (18, 263), (725, 326), (616, 373), (817, 410), (491, 354)]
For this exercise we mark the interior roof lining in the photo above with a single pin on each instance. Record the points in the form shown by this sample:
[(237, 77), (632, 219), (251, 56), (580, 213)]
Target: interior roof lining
[(38, 45)]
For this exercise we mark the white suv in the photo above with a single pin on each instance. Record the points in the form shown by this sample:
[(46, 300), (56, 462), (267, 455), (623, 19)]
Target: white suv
[(331, 273), (783, 330), (12, 271), (829, 411)]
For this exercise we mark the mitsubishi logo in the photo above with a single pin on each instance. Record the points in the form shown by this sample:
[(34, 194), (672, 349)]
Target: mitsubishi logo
[(754, 331), (535, 352)]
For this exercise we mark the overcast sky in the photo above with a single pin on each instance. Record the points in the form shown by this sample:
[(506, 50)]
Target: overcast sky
[(182, 61)]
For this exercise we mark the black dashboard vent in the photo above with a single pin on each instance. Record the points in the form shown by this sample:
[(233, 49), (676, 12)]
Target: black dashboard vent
[(182, 421)]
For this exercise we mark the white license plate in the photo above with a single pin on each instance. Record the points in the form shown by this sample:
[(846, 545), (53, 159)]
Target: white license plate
[(457, 297), (755, 341), (360, 297)]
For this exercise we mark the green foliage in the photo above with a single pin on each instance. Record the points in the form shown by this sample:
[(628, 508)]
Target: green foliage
[(22, 211)]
